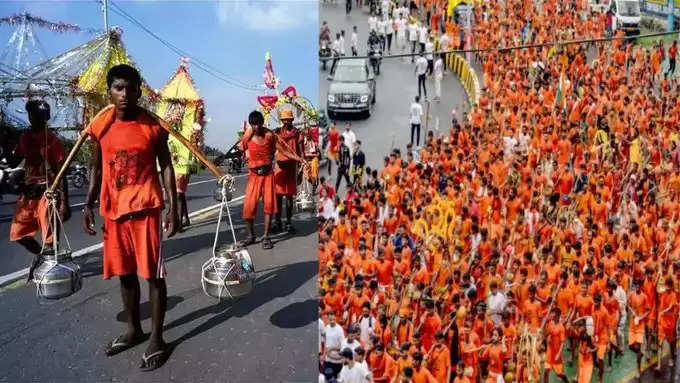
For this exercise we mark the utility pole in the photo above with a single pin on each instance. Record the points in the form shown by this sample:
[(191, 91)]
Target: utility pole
[(105, 8), (671, 15)]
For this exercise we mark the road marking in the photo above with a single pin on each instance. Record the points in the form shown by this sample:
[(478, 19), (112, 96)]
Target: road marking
[(9, 278)]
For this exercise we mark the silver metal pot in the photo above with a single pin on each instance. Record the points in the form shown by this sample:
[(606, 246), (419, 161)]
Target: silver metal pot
[(57, 276), (229, 274), (304, 201), (218, 195)]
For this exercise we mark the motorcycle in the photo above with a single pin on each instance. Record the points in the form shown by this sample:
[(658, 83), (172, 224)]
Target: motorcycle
[(375, 55), (77, 176), (11, 179), (324, 52), (372, 6)]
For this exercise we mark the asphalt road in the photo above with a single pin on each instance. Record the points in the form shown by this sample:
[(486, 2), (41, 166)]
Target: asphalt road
[(396, 87), (270, 335)]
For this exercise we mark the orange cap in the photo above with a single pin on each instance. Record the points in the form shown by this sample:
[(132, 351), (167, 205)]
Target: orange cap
[(286, 114)]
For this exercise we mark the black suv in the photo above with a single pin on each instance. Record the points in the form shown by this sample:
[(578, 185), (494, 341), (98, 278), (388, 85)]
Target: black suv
[(352, 88)]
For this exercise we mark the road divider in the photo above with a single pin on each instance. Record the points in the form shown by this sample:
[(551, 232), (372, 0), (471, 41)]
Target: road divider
[(466, 74), (12, 277)]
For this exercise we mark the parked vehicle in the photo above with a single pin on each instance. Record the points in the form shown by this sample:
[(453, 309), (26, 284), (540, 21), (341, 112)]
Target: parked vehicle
[(627, 16), (11, 179)]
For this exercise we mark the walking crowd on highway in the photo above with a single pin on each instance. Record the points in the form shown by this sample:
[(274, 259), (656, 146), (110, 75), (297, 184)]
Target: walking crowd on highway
[(536, 239), (405, 28)]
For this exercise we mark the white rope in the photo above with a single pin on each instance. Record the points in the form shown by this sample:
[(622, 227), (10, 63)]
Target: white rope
[(224, 204)]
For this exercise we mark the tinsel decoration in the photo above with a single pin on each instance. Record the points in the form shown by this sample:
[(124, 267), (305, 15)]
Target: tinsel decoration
[(58, 27)]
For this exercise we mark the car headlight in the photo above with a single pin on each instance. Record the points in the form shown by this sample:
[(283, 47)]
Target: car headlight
[(364, 98), (331, 98)]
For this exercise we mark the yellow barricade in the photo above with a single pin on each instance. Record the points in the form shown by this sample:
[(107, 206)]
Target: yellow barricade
[(466, 74)]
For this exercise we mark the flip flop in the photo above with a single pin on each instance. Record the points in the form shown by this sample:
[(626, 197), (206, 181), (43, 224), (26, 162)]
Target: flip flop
[(117, 346), (267, 243), (154, 360)]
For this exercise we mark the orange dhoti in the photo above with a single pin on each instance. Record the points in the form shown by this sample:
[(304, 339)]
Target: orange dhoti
[(31, 215), (259, 187), (286, 178)]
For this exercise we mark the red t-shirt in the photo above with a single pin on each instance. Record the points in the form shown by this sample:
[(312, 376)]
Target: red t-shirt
[(34, 147), (130, 181)]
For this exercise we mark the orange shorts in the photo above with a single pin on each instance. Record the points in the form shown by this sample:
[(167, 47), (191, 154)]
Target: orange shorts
[(132, 245), (182, 182), (30, 216), (259, 187)]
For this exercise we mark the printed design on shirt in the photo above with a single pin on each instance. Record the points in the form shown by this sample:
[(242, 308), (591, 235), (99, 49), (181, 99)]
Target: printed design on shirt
[(125, 168)]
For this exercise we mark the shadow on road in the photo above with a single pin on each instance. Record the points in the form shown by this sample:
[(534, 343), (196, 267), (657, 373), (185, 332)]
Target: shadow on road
[(295, 315), (274, 284), (145, 309), (193, 197), (303, 228)]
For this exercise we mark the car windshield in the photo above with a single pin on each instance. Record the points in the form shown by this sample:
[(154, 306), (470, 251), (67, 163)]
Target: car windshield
[(629, 8), (350, 73)]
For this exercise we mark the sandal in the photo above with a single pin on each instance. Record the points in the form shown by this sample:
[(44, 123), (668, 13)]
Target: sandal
[(267, 243), (117, 346), (154, 360)]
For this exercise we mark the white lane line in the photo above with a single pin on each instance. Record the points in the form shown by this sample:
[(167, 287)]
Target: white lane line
[(5, 279), (190, 184)]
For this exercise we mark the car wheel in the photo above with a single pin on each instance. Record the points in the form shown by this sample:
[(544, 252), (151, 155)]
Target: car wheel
[(373, 99), (368, 113)]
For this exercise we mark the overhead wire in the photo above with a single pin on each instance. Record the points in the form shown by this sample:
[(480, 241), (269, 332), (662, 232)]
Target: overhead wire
[(510, 48), (205, 67)]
